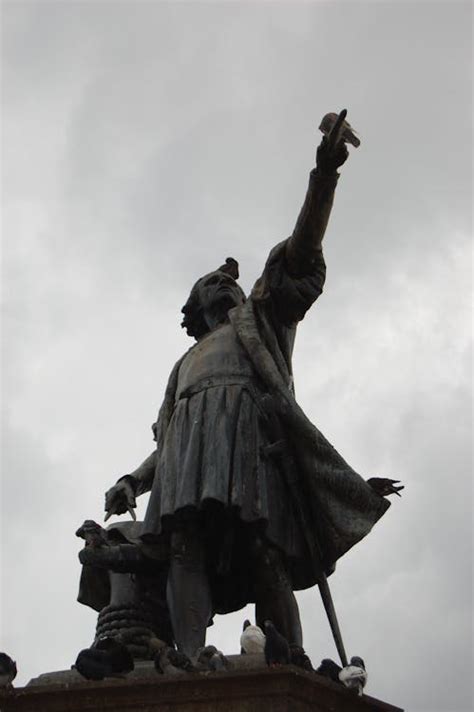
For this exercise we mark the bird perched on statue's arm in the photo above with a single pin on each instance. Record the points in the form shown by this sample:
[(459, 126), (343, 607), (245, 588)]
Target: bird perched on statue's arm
[(383, 486), (277, 650), (252, 639), (354, 675), (346, 132), (7, 671)]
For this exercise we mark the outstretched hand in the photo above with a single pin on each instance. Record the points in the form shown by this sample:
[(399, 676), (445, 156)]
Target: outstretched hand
[(120, 499), (332, 151)]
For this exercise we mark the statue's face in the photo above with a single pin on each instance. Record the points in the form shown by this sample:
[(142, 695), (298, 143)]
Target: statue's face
[(219, 292)]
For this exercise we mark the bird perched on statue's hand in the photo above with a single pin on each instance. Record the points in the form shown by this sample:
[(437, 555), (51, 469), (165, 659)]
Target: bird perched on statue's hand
[(252, 639), (108, 657), (354, 675), (299, 658), (7, 671), (277, 650), (93, 534), (329, 669), (347, 132), (209, 658), (169, 661), (383, 486)]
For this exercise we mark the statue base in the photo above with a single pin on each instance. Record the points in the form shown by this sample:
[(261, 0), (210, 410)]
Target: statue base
[(247, 687)]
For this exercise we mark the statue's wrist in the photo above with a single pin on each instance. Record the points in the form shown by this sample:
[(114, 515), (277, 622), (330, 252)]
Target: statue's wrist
[(131, 480), (326, 173)]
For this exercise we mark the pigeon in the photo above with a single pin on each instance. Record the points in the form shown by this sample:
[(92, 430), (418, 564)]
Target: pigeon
[(252, 639), (212, 659), (169, 661), (92, 533), (299, 658), (7, 671), (108, 657), (347, 132), (354, 675), (156, 645), (329, 669), (383, 486), (277, 650)]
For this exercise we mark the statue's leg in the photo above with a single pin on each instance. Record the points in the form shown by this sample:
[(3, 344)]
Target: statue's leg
[(275, 599), (188, 592)]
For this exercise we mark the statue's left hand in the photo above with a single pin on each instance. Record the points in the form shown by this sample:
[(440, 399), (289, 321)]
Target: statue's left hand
[(332, 151)]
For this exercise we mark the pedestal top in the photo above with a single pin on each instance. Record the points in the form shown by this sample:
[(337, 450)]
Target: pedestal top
[(247, 687)]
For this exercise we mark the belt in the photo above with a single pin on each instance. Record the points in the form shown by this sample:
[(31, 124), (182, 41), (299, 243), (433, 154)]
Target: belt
[(248, 382)]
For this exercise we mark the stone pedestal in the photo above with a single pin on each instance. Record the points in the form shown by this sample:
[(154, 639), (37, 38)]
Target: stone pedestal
[(248, 687)]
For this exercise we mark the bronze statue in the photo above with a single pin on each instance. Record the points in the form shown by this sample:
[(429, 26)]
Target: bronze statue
[(249, 501)]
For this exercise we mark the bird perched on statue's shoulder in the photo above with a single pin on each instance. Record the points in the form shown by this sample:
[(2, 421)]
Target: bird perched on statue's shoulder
[(347, 132), (7, 671), (277, 650), (209, 658), (354, 675), (108, 657), (299, 658), (252, 639), (93, 534), (329, 669)]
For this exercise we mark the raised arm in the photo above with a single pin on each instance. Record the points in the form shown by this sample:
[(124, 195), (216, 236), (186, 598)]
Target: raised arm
[(303, 249)]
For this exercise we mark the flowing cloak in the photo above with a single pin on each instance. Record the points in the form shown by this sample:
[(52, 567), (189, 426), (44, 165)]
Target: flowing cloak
[(340, 508)]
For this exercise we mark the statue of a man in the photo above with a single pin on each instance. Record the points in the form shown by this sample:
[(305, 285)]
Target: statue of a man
[(244, 489)]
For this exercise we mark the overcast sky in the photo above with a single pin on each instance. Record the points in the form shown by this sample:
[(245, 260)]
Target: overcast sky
[(144, 142)]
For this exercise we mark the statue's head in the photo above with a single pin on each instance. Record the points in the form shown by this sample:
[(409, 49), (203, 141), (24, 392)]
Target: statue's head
[(211, 298)]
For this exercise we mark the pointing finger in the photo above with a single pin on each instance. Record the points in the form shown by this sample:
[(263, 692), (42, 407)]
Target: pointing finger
[(336, 129)]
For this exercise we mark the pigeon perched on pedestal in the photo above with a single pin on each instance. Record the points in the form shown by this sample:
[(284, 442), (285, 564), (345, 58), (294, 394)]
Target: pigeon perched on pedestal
[(354, 675), (7, 671), (252, 639), (212, 659), (108, 657), (169, 661), (93, 534), (347, 132), (299, 658), (329, 669), (277, 650)]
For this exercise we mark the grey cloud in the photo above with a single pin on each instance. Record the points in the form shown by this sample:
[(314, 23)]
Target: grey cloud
[(143, 144)]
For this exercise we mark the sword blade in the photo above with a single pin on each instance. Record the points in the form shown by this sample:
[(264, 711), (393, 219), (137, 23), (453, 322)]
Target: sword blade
[(331, 614)]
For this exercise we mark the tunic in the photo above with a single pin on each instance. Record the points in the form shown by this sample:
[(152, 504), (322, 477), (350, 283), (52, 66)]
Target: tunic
[(213, 454)]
